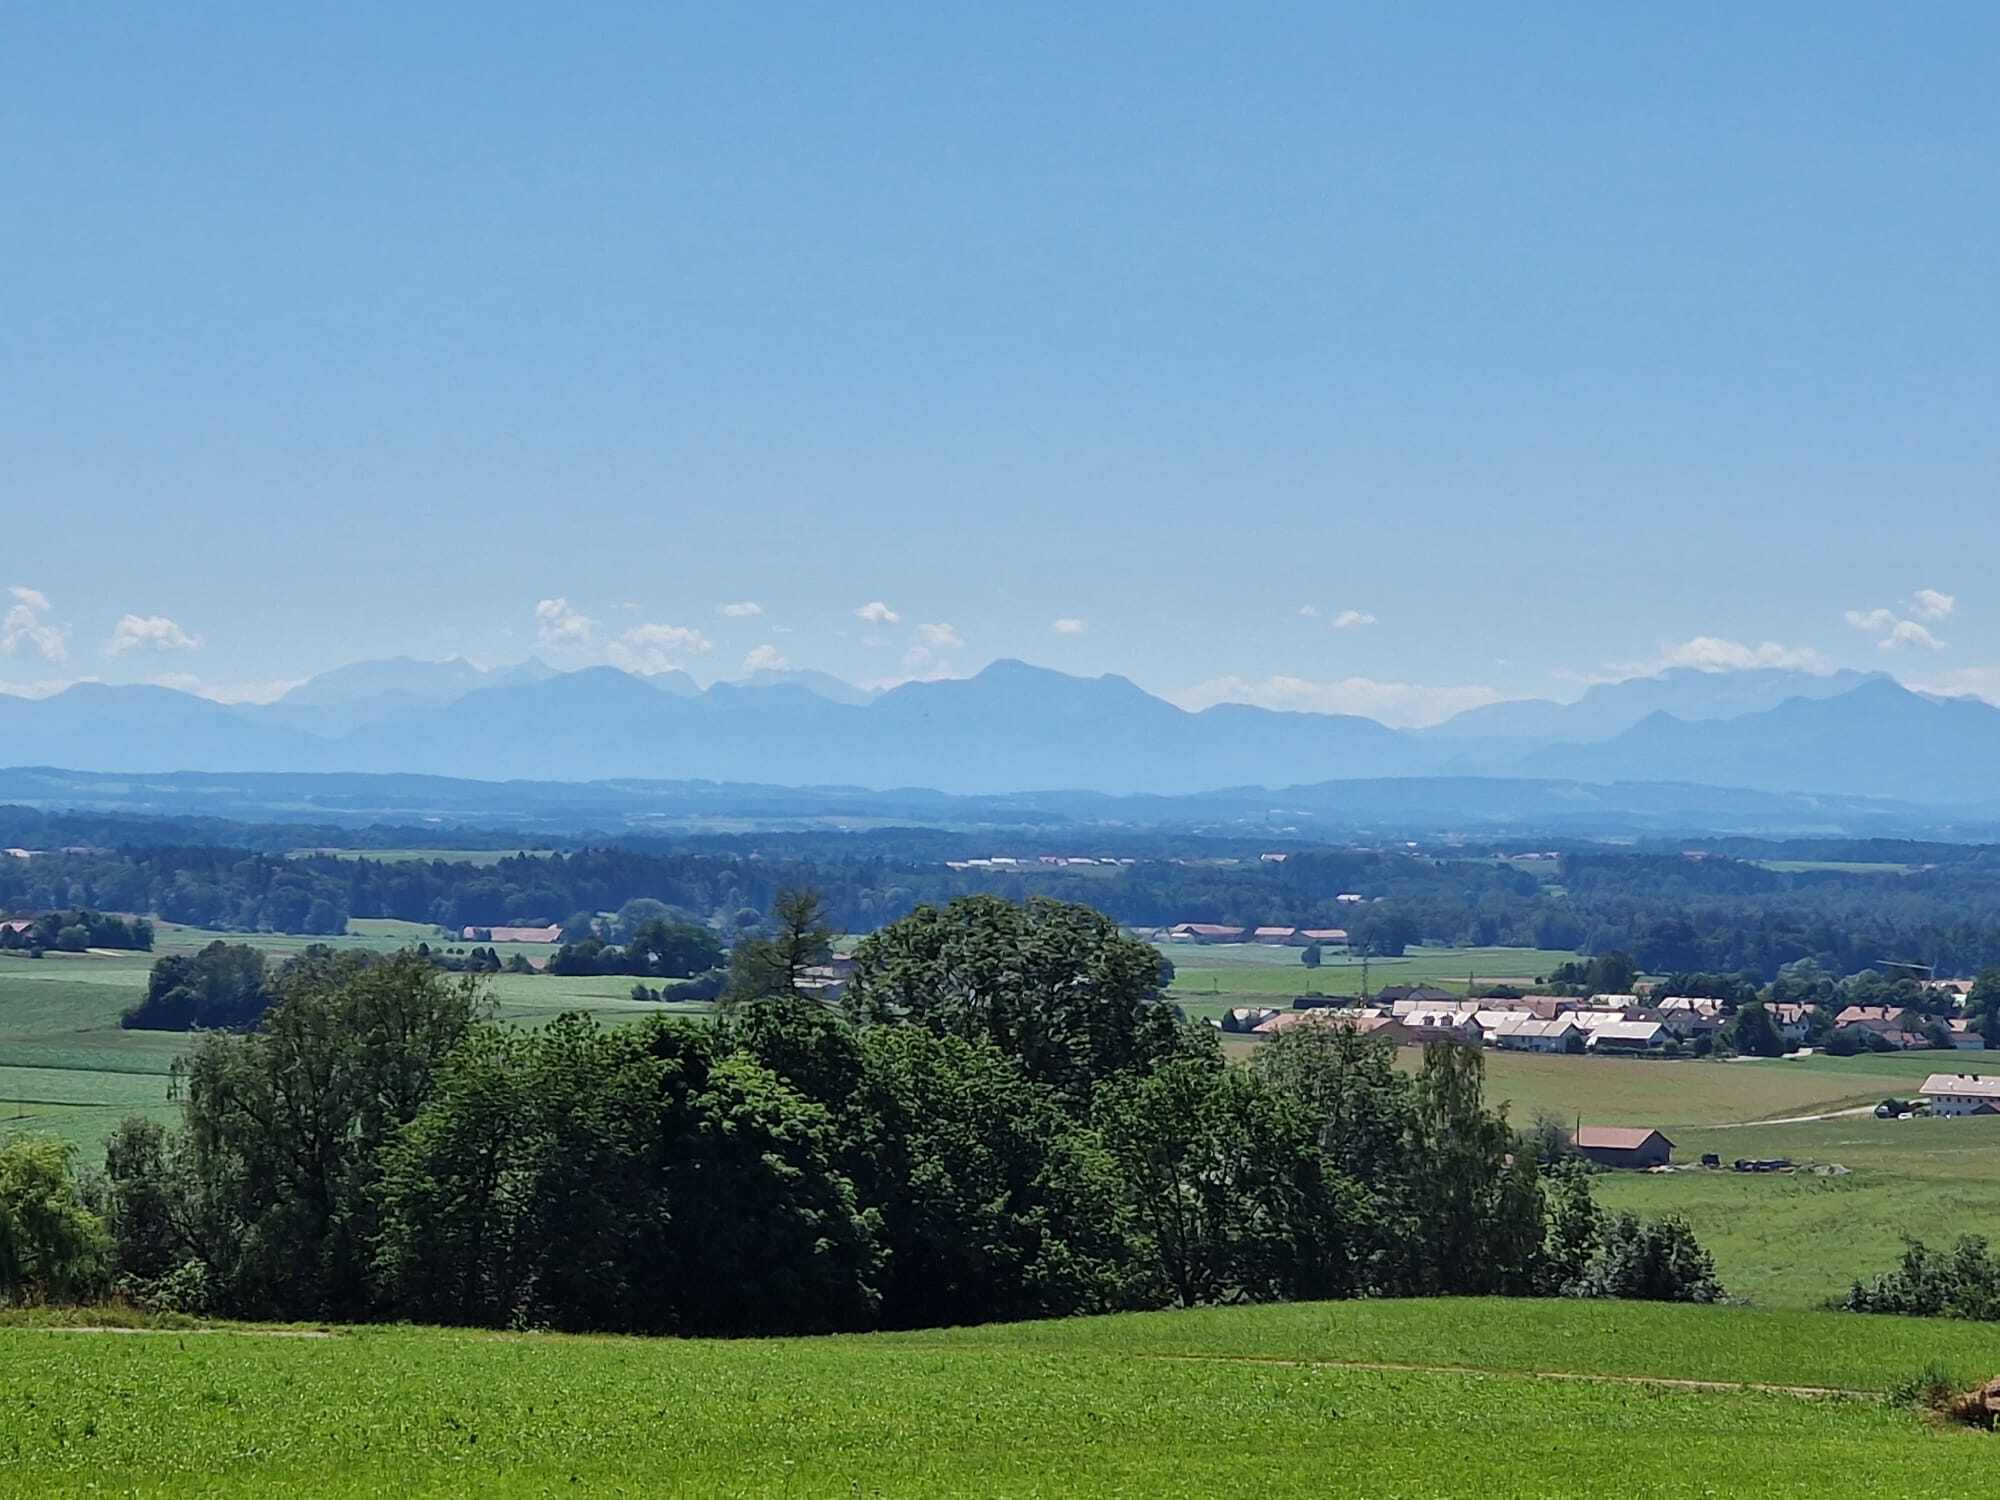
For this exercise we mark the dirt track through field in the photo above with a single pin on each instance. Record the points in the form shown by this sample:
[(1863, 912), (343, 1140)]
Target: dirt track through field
[(1381, 1367)]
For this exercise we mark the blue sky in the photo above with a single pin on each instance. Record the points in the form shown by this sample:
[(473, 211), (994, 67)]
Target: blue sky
[(1521, 348)]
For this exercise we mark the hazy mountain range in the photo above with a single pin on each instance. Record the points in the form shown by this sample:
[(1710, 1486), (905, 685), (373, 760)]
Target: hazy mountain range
[(1018, 728)]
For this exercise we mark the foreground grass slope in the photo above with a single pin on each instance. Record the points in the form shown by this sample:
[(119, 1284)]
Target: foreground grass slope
[(1228, 1402)]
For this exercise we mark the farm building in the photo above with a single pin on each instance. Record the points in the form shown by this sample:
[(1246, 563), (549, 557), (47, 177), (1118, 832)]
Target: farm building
[(1628, 1036), (1326, 937), (1203, 932), (549, 934), (1532, 1034), (1382, 1028), (1248, 1017), (1274, 934), (1414, 996), (1882, 1018), (1612, 1147), (1965, 1034), (1963, 1093), (1791, 1020)]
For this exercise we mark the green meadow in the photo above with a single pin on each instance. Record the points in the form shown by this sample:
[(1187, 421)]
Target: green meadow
[(67, 1067), (1783, 1240), (1212, 978), (1397, 1400)]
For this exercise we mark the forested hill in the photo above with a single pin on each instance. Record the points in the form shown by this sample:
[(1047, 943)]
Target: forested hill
[(1671, 911)]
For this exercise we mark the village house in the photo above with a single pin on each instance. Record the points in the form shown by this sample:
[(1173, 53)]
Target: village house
[(1881, 1018), (1243, 1018), (1963, 1093), (1612, 1147), (1792, 1021), (1965, 1034)]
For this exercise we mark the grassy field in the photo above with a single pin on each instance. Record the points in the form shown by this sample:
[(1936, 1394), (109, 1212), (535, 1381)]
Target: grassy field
[(67, 1067), (1211, 978), (1261, 1401), (419, 856), (1835, 866)]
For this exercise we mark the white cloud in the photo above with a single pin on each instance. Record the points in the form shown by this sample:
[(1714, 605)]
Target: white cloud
[(875, 612), (1929, 604), (1347, 619), (1893, 634), (1402, 704), (27, 623), (766, 659), (147, 633), (1910, 633), (1713, 653), (1308, 611), (560, 628), (743, 609), (939, 637), (1068, 625), (651, 649), (47, 687), (1961, 682)]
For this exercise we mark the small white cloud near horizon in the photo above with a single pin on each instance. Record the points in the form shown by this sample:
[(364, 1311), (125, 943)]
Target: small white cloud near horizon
[(1910, 633), (1308, 611), (939, 637), (148, 633), (27, 623), (1892, 634), (652, 649), (875, 612), (920, 664), (1402, 705), (1348, 619), (743, 609), (1068, 625), (1930, 604), (1713, 653), (560, 628), (766, 659)]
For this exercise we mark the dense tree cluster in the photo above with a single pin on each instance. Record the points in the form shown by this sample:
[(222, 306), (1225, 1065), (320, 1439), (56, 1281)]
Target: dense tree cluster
[(1005, 1122), (1963, 1282), (74, 931), (1670, 913)]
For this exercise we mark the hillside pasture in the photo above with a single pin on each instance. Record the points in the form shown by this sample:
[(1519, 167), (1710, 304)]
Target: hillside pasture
[(1210, 978), (1394, 1400), (68, 1068)]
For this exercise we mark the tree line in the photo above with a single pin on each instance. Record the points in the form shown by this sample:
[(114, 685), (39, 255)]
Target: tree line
[(1670, 913), (1002, 1120)]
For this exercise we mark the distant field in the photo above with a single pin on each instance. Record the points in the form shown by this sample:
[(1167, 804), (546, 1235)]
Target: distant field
[(1837, 866), (67, 1067), (419, 856), (1209, 979), (1243, 1401)]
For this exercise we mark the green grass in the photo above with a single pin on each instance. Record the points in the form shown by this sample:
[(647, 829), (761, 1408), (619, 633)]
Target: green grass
[(1836, 866), (1211, 978), (1235, 1402), (418, 856), (68, 1068)]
